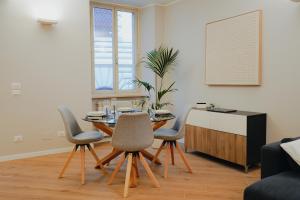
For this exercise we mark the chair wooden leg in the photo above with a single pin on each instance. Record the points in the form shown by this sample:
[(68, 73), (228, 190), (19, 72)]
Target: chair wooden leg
[(148, 170), (91, 149), (185, 147), (172, 153), (68, 161), (158, 152), (128, 172), (183, 157), (93, 153), (167, 157), (117, 169), (82, 156), (136, 166), (133, 178)]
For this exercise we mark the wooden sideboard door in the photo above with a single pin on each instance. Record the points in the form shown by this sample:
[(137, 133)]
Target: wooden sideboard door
[(227, 146)]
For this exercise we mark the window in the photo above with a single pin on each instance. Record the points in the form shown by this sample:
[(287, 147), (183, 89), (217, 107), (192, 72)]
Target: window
[(114, 49)]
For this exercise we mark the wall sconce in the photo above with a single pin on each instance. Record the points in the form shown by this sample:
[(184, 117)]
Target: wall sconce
[(44, 21), (47, 12)]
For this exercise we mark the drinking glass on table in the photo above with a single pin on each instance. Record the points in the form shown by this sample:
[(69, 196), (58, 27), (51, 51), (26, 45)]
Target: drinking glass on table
[(107, 107)]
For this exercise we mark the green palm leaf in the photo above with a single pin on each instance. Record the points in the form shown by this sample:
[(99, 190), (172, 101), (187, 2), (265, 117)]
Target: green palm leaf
[(159, 106), (162, 93), (160, 60), (146, 85)]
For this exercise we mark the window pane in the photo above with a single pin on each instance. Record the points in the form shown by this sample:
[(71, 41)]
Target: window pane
[(126, 50), (103, 49)]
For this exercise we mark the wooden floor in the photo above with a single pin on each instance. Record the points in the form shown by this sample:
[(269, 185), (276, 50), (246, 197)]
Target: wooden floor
[(36, 178)]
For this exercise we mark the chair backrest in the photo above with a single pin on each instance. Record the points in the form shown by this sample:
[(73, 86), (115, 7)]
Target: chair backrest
[(133, 132), (71, 126), (180, 122)]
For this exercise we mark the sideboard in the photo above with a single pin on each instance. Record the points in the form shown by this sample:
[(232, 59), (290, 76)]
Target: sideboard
[(236, 137)]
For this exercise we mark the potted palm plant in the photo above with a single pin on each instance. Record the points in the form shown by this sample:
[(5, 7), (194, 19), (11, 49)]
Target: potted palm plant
[(160, 62)]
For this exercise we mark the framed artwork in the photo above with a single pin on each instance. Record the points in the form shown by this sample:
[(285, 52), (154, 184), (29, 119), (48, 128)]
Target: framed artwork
[(234, 50)]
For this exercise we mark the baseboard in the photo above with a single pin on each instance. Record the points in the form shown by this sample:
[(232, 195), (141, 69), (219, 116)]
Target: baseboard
[(34, 154)]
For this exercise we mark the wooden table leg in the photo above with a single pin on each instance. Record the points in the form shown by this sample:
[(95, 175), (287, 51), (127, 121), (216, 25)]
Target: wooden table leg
[(103, 127), (115, 153), (150, 157), (158, 125)]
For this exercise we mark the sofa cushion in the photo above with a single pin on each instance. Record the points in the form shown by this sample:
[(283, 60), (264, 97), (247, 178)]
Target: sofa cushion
[(283, 186), (293, 165)]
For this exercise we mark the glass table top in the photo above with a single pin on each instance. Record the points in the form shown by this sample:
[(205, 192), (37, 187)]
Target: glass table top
[(113, 119)]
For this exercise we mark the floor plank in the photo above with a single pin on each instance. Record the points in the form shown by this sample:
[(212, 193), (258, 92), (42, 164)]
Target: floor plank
[(36, 178)]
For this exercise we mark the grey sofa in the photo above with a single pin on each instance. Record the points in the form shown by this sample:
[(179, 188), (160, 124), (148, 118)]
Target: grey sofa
[(280, 177)]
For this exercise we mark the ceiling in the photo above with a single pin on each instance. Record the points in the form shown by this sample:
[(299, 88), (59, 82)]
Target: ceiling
[(138, 3)]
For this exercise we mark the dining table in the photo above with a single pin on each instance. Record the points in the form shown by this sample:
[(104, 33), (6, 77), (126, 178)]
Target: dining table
[(107, 124)]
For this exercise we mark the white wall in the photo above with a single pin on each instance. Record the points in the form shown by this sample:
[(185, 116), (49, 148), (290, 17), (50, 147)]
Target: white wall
[(148, 38), (48, 60), (53, 65), (152, 34), (279, 94)]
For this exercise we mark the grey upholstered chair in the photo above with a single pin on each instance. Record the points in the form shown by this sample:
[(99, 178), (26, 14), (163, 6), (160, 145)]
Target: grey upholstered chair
[(170, 139), (132, 134), (80, 138)]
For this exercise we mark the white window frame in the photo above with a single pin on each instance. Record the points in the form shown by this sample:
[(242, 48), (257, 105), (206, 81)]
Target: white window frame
[(115, 9)]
